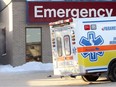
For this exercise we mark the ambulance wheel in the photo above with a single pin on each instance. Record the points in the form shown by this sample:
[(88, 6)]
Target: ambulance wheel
[(112, 73), (87, 78)]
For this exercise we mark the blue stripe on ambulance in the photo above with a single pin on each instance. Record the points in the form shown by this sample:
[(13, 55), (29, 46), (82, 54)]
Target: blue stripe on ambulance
[(99, 21), (97, 69)]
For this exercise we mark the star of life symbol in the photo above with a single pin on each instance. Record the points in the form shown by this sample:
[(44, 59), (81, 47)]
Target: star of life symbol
[(92, 40)]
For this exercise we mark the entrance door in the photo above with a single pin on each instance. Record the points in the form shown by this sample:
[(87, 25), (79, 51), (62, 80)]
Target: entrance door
[(33, 44)]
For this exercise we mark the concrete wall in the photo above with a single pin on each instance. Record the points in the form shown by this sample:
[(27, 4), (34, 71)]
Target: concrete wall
[(7, 24)]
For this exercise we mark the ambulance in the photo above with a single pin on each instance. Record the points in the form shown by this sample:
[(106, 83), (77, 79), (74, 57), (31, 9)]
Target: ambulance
[(85, 47)]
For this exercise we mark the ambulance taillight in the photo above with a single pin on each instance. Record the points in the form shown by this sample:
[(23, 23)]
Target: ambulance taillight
[(73, 37), (53, 39)]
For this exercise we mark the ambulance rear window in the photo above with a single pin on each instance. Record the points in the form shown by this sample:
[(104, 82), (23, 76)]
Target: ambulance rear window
[(59, 46), (67, 46)]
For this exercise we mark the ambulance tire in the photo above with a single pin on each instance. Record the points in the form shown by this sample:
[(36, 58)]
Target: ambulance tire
[(88, 78), (112, 73)]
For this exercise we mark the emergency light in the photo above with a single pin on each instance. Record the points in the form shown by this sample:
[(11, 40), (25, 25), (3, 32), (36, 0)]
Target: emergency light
[(61, 22), (87, 27)]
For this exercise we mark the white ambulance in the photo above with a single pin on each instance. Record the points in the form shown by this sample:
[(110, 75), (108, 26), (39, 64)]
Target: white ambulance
[(84, 46)]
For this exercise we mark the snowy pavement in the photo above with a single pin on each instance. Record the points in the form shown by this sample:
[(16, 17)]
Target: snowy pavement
[(41, 79), (23, 79), (35, 74), (21, 76)]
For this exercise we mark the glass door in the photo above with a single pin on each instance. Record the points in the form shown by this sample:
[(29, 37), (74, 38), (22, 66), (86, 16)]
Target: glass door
[(33, 44)]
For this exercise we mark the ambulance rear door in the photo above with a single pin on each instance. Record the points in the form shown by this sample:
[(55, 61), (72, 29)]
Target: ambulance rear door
[(65, 55)]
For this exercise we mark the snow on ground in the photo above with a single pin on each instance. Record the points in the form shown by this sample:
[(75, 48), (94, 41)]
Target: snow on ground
[(29, 66)]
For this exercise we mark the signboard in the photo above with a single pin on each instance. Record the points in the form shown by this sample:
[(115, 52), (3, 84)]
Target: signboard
[(45, 12)]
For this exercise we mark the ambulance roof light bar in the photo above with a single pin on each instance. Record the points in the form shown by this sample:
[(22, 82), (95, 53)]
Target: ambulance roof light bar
[(68, 20), (61, 22)]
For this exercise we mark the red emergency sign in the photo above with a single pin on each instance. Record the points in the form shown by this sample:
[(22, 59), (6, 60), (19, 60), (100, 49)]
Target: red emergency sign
[(45, 12)]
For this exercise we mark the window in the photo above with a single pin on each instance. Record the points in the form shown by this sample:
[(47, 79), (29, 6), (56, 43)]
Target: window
[(33, 44), (3, 42), (59, 46), (67, 46)]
